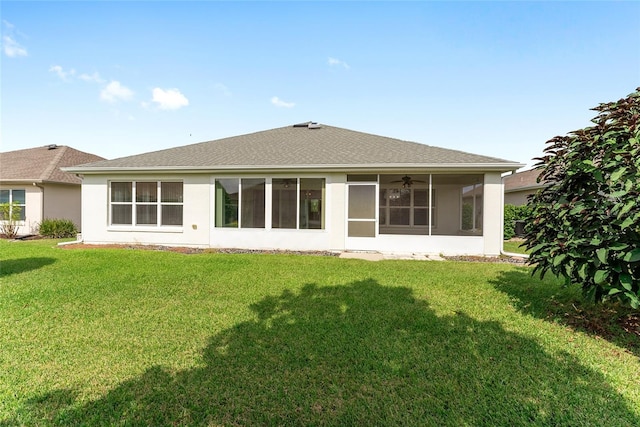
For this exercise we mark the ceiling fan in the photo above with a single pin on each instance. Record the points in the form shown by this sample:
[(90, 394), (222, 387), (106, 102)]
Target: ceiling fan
[(407, 181)]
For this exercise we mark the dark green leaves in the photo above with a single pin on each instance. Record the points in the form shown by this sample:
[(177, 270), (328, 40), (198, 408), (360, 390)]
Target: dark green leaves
[(585, 224)]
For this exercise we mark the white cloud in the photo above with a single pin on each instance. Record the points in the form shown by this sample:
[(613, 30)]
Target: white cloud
[(95, 77), (12, 48), (170, 99), (280, 103), (114, 92), (10, 45), (333, 62), (64, 75)]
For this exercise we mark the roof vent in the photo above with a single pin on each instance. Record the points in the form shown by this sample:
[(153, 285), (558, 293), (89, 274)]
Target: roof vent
[(52, 147), (308, 125)]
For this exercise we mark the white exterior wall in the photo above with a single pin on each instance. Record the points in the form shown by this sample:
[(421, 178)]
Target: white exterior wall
[(62, 202), (198, 220), (493, 211)]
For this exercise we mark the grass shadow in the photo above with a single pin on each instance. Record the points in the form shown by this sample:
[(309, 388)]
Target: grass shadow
[(20, 265), (356, 354), (549, 299)]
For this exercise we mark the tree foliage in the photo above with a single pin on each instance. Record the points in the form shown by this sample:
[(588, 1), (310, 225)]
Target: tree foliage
[(585, 225), (513, 213)]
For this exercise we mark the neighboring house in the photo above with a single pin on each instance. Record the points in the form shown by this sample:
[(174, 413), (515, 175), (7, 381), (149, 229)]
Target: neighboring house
[(301, 187), (518, 186), (32, 179)]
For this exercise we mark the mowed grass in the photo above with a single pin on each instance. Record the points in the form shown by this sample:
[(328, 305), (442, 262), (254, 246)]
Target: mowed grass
[(138, 337), (514, 246)]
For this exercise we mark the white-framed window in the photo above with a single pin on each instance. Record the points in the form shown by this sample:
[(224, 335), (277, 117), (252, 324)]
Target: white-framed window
[(146, 203), (296, 203), (15, 198)]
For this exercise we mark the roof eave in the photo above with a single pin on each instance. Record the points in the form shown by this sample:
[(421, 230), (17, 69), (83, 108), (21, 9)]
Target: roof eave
[(494, 167)]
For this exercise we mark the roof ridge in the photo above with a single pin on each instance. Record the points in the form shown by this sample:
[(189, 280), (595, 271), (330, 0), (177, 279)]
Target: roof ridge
[(54, 163)]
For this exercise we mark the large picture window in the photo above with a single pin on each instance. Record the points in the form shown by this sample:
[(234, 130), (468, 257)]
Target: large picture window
[(240, 196), (146, 203), (296, 203), (15, 199)]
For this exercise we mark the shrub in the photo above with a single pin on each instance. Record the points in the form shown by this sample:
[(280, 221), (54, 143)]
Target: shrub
[(58, 228), (585, 226), (9, 218), (513, 213)]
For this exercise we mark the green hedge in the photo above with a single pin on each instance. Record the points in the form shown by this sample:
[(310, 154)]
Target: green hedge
[(512, 214), (58, 228)]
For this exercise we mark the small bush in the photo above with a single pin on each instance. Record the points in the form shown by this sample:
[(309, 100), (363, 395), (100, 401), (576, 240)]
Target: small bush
[(58, 228)]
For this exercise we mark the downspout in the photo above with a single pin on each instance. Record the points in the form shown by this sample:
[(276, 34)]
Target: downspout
[(502, 251)]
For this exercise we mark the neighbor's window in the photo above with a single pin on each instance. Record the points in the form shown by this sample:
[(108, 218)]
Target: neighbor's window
[(15, 198), (146, 203)]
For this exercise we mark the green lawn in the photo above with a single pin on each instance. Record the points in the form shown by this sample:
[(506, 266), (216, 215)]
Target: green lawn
[(136, 337), (514, 247)]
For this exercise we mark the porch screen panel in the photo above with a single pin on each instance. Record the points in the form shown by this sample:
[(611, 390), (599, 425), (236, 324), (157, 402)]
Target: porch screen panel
[(227, 198), (362, 211), (252, 202), (312, 203), (283, 202)]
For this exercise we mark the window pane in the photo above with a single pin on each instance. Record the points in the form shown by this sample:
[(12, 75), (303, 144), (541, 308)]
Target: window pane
[(172, 215), (398, 216), (362, 229), (420, 216), (226, 203), (252, 203), (382, 218), (147, 214), (399, 197), (121, 192), (421, 198), (4, 196), (362, 201), (171, 192), (146, 192), (19, 197), (283, 203), (121, 214), (312, 203)]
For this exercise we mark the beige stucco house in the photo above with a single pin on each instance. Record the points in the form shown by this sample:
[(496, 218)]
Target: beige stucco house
[(33, 179), (519, 186), (300, 187)]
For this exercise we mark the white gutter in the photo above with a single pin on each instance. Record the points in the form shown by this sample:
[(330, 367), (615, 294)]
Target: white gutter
[(398, 167)]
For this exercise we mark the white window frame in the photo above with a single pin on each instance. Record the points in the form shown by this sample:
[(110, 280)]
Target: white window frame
[(133, 204), (23, 206)]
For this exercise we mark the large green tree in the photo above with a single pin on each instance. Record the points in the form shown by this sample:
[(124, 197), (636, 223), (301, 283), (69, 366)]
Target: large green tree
[(585, 225)]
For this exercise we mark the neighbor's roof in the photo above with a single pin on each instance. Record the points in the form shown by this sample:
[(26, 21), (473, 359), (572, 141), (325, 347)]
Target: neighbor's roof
[(521, 181), (304, 146), (42, 164)]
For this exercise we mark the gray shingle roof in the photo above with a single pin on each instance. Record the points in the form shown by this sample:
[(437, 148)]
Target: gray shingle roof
[(299, 147), (42, 164), (525, 180)]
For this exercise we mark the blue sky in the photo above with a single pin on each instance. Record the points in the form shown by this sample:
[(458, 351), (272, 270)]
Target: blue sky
[(494, 78)]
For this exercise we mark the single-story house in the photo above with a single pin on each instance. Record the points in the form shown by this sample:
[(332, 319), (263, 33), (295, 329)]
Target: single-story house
[(34, 181), (518, 186), (301, 187)]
